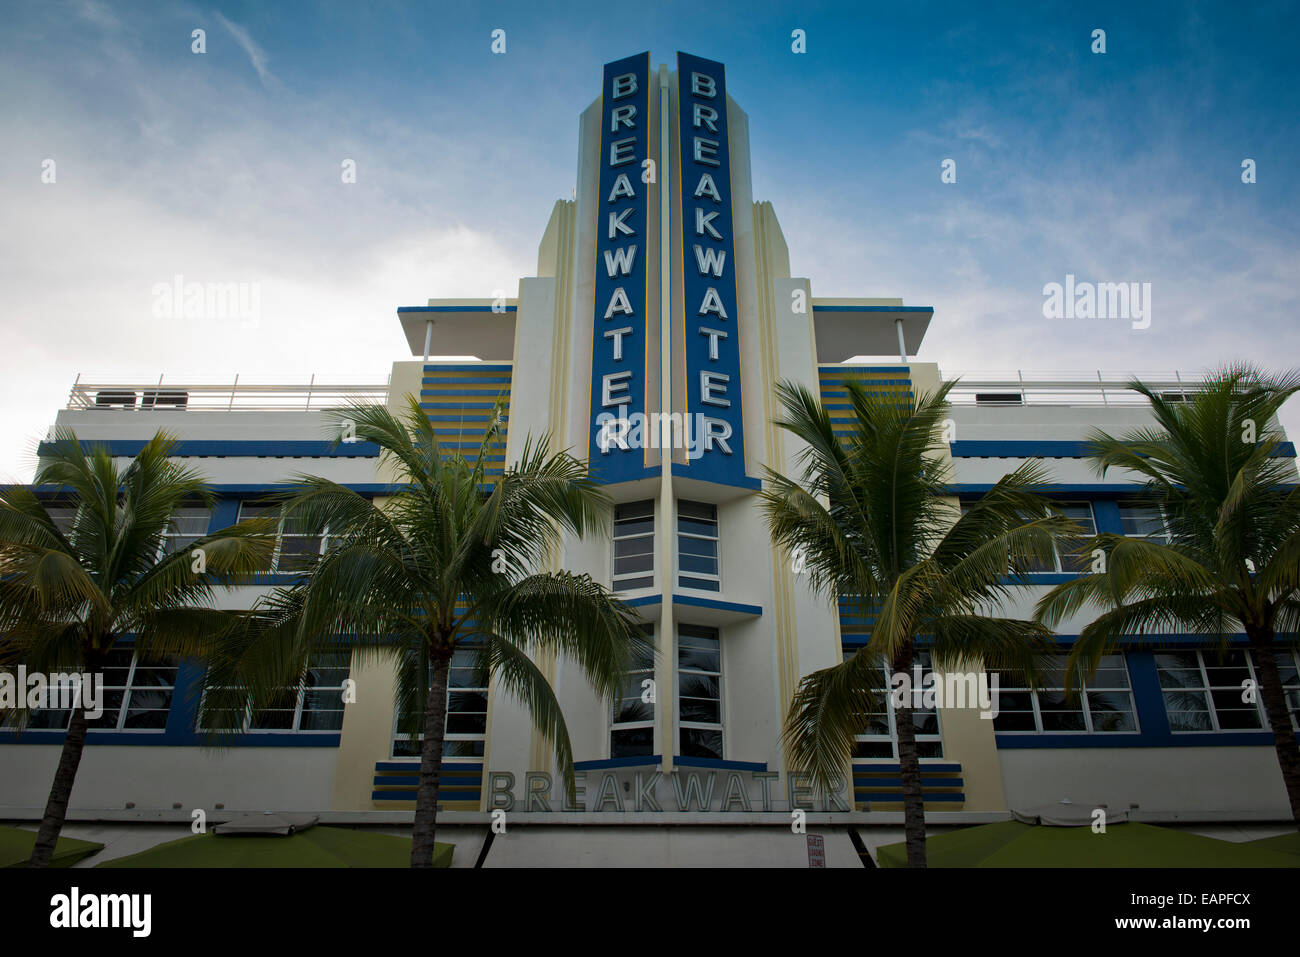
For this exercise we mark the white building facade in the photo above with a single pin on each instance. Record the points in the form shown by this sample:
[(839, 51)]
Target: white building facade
[(663, 294)]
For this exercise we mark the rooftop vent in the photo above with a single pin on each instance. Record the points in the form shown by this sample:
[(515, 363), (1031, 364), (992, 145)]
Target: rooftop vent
[(164, 399), (115, 399), (999, 398)]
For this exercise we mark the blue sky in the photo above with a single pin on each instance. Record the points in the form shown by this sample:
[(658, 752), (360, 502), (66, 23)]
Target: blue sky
[(225, 167)]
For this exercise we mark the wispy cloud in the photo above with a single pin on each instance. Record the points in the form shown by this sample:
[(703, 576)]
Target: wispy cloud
[(256, 55)]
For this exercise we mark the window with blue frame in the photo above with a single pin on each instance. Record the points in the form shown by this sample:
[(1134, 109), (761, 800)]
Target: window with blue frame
[(632, 731), (188, 525), (1143, 521), (1206, 690), (699, 691), (697, 546), (1071, 556), (295, 549), (634, 545), (467, 704), (315, 704), (137, 697), (879, 741), (1101, 705)]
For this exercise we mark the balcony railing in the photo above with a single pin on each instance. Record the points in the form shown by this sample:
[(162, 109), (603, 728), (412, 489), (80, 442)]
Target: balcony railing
[(1064, 388), (236, 396)]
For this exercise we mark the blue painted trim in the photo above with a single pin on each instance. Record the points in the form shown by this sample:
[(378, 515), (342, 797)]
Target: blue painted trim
[(862, 766), (402, 310), (885, 797), (635, 761), (719, 764), (258, 739), (234, 448), (469, 367), (862, 783), (447, 765), (1127, 489), (249, 490), (747, 482), (443, 795), (1048, 449), (754, 610), (929, 310), (644, 600)]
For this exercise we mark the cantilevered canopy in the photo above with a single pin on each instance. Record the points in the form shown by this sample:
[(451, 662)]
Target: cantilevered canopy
[(461, 327), (1013, 844), (846, 328)]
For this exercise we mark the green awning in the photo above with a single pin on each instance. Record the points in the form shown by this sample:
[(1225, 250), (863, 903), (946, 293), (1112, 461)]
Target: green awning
[(1283, 843), (16, 848), (1013, 844), (317, 847)]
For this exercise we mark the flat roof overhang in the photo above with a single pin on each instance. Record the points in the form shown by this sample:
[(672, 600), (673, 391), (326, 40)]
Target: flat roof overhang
[(845, 329), (461, 327)]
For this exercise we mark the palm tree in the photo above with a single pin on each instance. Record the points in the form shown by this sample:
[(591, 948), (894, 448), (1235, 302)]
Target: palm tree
[(71, 590), (1232, 516), (455, 559), (869, 517)]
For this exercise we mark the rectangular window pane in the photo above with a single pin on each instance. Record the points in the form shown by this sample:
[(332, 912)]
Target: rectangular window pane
[(634, 545), (697, 545), (699, 691)]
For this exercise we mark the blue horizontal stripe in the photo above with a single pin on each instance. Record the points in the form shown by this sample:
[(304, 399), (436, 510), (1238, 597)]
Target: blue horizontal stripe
[(718, 604), (1048, 449), (897, 797), (635, 761), (447, 765), (860, 767), (720, 764), (204, 448), (928, 310), (475, 367), (443, 796), (401, 310), (862, 783)]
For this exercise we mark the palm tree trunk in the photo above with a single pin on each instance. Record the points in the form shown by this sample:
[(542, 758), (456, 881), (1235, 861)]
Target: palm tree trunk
[(910, 765), (56, 808), (426, 799), (1279, 719)]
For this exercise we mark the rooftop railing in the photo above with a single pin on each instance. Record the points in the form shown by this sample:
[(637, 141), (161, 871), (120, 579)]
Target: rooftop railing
[(1018, 387), (236, 396)]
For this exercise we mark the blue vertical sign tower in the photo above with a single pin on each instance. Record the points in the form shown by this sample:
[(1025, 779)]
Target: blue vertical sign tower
[(618, 357), (712, 343)]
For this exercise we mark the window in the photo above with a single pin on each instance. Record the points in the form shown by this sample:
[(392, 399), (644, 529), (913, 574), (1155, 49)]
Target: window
[(466, 728), (294, 548), (187, 526), (137, 696), (699, 692), (1203, 691), (314, 704), (1288, 666), (880, 739), (63, 516), (632, 732), (697, 546), (1101, 705), (634, 545), (1070, 553), (1144, 521)]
